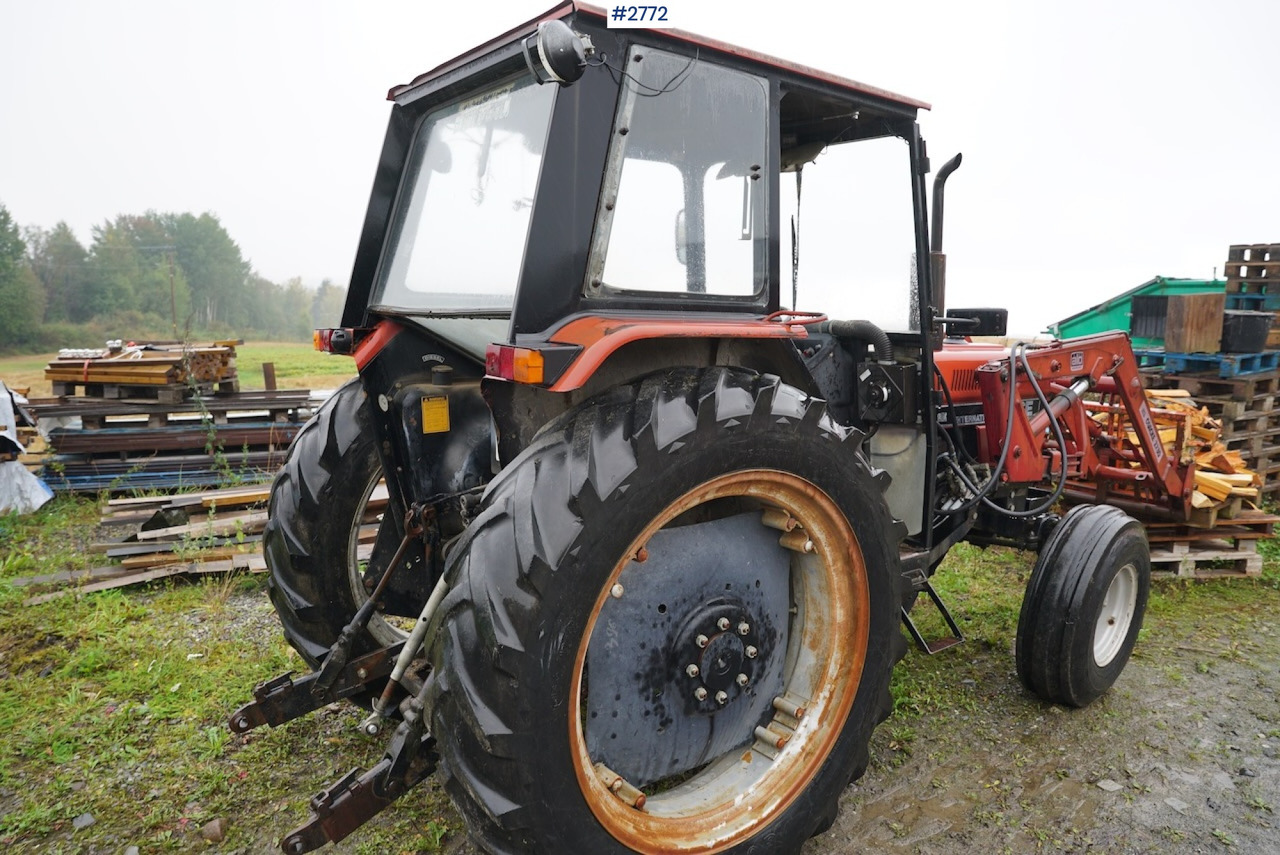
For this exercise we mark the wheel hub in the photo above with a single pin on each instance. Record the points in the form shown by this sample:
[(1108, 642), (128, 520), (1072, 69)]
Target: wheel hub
[(679, 669), (720, 640)]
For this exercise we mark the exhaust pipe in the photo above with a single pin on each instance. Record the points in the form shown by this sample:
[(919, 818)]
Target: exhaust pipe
[(937, 260)]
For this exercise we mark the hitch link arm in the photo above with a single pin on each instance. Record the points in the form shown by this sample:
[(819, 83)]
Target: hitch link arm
[(284, 698), (414, 525), (357, 798)]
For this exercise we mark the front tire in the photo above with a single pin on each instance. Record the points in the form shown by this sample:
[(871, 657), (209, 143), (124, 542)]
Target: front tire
[(1084, 605), (629, 659)]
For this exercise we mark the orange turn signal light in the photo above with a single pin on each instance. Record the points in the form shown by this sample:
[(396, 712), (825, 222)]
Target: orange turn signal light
[(518, 364)]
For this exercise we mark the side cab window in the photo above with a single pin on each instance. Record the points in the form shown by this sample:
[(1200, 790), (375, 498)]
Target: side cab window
[(684, 207)]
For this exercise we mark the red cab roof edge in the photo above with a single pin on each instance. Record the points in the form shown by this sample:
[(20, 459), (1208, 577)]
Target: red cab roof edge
[(564, 9)]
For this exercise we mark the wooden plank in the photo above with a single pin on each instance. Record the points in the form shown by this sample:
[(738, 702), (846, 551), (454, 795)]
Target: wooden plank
[(104, 585), (64, 576), (220, 499), (246, 563), (248, 523), (1193, 323), (156, 559)]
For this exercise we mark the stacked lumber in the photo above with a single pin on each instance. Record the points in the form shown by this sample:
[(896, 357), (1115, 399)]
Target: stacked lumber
[(216, 531), (145, 444), (187, 535), (1245, 409), (1220, 537), (163, 370)]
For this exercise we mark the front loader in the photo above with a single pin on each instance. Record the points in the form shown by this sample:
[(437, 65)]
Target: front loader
[(610, 533)]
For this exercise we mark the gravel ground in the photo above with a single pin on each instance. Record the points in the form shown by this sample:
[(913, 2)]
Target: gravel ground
[(1182, 756)]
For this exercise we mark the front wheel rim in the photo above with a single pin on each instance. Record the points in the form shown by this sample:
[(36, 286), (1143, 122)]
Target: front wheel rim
[(732, 797), (1116, 616)]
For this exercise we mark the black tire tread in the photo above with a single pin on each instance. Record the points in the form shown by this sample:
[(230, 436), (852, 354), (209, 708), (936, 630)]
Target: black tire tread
[(533, 511), (305, 518), (1055, 593)]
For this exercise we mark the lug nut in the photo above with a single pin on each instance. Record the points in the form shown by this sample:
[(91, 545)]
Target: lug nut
[(744, 628), (721, 698), (752, 653), (616, 591), (702, 641), (743, 679), (692, 670), (700, 693), (723, 623)]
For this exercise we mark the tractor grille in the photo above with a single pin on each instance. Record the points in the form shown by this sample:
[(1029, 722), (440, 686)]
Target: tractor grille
[(964, 380)]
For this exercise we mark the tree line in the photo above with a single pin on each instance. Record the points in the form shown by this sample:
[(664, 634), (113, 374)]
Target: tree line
[(153, 275)]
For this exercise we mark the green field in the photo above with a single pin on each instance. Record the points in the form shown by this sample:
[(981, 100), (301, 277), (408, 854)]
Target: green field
[(298, 366)]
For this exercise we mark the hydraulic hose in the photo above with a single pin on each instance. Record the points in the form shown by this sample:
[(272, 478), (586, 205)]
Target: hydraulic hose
[(1019, 355), (862, 330)]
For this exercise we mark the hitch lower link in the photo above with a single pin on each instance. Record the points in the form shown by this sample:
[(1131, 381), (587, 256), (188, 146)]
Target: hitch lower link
[(410, 757)]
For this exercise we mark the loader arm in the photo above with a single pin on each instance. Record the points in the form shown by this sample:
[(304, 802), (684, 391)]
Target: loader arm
[(1107, 463)]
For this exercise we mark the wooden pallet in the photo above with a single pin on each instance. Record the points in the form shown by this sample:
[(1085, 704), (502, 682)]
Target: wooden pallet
[(169, 392), (1252, 444), (1206, 561), (1223, 364), (1243, 252), (1227, 549), (1248, 387)]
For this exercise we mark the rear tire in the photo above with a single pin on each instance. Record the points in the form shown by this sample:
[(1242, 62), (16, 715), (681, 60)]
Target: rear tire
[(1084, 605), (576, 531), (317, 503)]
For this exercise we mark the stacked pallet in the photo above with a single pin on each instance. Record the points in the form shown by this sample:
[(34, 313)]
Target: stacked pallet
[(1250, 268), (146, 444), (165, 371), (1228, 550), (1253, 282)]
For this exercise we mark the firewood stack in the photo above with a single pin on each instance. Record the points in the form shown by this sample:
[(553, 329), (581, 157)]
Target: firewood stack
[(1224, 483)]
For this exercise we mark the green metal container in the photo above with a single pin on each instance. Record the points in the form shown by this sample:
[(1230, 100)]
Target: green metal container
[(1115, 313)]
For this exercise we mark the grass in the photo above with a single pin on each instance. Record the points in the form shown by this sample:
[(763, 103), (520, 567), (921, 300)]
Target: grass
[(983, 589), (115, 704), (298, 366)]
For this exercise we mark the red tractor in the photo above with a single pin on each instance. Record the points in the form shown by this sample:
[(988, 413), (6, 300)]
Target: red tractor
[(607, 536)]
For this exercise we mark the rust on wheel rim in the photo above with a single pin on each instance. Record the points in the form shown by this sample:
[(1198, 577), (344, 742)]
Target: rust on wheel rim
[(736, 795)]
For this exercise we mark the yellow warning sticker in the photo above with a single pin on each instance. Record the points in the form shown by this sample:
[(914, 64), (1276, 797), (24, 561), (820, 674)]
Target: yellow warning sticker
[(435, 414)]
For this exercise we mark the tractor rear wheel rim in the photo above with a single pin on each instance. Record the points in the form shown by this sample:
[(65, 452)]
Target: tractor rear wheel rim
[(1116, 616), (734, 796), (385, 630)]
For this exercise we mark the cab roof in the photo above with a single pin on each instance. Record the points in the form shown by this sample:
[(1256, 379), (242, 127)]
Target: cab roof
[(572, 8)]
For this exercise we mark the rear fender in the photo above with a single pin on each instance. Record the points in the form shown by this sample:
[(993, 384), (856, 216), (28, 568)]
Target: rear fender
[(521, 410)]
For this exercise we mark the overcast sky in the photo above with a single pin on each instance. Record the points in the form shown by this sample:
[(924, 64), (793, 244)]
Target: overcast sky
[(1104, 142)]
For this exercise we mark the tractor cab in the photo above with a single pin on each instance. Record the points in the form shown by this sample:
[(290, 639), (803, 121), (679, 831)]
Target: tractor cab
[(570, 206)]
